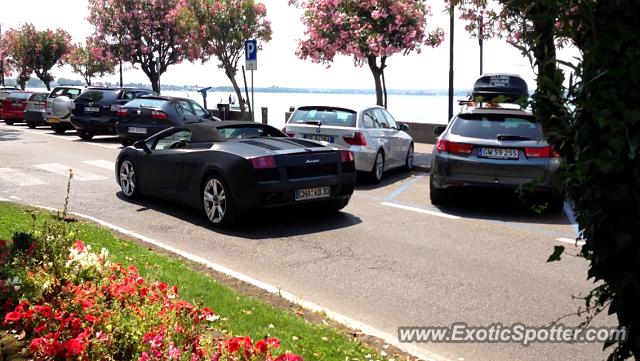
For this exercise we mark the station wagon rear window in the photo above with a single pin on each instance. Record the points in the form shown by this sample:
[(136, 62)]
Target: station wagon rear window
[(141, 102), (490, 126), (98, 95), (325, 116), (19, 95)]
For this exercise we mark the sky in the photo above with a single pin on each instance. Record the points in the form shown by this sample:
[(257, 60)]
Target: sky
[(279, 66)]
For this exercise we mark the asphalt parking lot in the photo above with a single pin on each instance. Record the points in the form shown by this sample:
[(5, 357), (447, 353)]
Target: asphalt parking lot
[(389, 259)]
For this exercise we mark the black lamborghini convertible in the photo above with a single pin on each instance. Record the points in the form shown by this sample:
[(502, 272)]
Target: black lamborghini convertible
[(229, 169)]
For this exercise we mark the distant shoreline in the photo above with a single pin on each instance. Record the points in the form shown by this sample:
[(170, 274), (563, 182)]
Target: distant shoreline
[(34, 83)]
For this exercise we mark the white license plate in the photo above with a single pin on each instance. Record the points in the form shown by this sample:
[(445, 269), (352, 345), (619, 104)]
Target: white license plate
[(53, 120), (320, 138), (500, 153), (137, 130), (16, 104), (92, 109), (312, 193)]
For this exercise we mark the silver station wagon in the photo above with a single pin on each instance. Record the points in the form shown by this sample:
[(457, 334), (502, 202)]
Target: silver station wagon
[(377, 141), (494, 145)]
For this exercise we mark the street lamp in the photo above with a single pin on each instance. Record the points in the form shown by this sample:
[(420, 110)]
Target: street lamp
[(480, 37), (451, 7), (1, 60)]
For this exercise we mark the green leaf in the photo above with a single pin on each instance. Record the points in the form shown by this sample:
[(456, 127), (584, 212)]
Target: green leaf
[(557, 252)]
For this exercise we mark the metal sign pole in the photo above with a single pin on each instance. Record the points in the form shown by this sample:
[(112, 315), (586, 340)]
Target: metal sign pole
[(253, 108)]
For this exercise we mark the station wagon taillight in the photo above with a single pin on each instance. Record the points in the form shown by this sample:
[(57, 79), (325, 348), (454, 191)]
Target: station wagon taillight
[(444, 145), (266, 162), (541, 152), (288, 132), (346, 156), (357, 139), (159, 115), (121, 113)]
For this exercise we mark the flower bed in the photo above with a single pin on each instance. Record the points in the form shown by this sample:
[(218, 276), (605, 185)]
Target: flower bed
[(66, 302)]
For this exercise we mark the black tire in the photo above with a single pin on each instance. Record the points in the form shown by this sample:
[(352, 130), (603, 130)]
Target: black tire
[(58, 128), (438, 196), (8, 122), (125, 142), (408, 162), (217, 201), (376, 173), (32, 125), (85, 134), (128, 179)]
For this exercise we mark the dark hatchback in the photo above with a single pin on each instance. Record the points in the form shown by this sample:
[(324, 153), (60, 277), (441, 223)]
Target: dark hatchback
[(148, 115), (95, 111)]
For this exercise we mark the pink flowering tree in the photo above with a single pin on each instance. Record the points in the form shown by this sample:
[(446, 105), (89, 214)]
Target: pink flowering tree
[(37, 51), (144, 32), (5, 65), (220, 28), (369, 30), (90, 60)]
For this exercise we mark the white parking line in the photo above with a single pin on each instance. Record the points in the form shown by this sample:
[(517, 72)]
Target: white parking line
[(420, 210), (101, 164), (19, 178), (63, 170), (571, 241), (59, 137)]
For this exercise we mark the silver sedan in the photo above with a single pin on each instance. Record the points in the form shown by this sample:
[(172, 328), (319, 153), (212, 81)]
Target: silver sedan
[(378, 142)]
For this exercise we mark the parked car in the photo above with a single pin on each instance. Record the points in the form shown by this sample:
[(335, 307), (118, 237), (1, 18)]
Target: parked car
[(377, 141), (34, 112), (229, 169), (94, 112), (494, 145), (147, 115), (13, 106), (4, 92), (59, 104)]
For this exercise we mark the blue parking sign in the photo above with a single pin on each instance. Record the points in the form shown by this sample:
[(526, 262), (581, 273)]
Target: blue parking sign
[(251, 54)]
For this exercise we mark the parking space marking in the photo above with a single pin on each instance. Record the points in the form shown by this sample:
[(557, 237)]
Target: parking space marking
[(420, 210), (113, 146), (571, 241), (63, 170), (402, 188), (19, 178), (105, 164)]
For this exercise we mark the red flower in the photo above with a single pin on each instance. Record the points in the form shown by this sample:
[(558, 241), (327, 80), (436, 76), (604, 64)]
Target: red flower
[(79, 245), (288, 357), (74, 346), (44, 311), (13, 317)]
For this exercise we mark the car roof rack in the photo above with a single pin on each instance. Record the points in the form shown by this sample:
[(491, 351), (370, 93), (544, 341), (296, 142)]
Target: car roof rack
[(497, 91)]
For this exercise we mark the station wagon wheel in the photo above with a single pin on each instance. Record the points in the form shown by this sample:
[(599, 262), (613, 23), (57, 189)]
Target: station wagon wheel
[(217, 202), (8, 122), (127, 178), (378, 168), (31, 125), (408, 165), (85, 134), (58, 128)]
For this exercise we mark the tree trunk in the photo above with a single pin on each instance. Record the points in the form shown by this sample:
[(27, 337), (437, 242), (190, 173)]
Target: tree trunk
[(384, 89), (230, 72), (155, 83), (377, 73)]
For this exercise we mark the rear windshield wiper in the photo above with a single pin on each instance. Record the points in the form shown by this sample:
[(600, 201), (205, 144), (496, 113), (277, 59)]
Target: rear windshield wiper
[(313, 122), (511, 137)]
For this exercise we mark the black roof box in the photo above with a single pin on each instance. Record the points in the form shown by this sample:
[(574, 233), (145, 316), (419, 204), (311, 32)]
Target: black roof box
[(500, 88)]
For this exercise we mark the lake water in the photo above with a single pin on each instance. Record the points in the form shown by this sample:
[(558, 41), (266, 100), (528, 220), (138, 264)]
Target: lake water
[(404, 108)]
